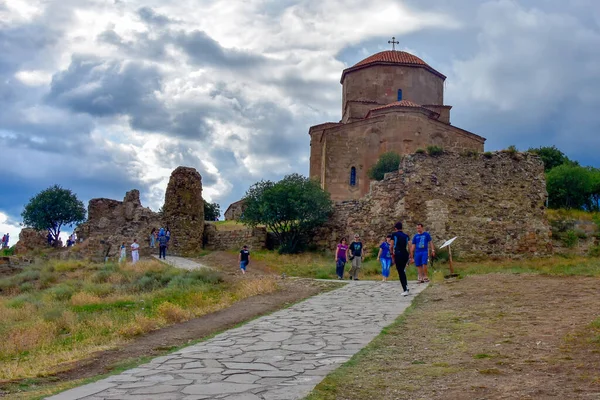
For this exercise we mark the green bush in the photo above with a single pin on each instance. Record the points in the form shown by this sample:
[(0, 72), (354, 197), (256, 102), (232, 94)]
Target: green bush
[(594, 251), (419, 151), (26, 287), (488, 154), (435, 150), (470, 153), (61, 292), (388, 162), (570, 238), (20, 300)]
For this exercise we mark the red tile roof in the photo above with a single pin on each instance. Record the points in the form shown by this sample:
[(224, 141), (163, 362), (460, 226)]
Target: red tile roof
[(391, 57)]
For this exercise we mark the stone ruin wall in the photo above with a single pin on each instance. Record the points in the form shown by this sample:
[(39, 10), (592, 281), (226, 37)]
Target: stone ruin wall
[(254, 238), (494, 203)]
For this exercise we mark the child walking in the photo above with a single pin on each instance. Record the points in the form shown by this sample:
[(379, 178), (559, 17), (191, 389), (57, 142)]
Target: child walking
[(385, 256), (340, 258)]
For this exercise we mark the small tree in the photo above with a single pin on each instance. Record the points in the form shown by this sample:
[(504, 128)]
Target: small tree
[(594, 189), (53, 208), (291, 208), (569, 186), (388, 162), (212, 211)]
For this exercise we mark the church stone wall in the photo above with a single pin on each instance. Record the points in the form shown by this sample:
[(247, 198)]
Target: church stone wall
[(380, 83), (360, 144), (495, 205)]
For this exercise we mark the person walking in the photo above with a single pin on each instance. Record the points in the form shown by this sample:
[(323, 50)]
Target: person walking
[(340, 257), (162, 247), (244, 258), (122, 253), (4, 241), (152, 238), (419, 252), (135, 254), (385, 256), (356, 256), (401, 257)]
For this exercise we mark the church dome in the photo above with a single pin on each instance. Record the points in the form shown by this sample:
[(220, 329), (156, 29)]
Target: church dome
[(391, 57)]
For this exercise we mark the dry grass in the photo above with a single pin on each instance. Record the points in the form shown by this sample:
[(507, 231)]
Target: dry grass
[(63, 311), (563, 214)]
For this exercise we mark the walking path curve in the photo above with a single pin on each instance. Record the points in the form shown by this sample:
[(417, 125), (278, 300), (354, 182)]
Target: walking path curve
[(281, 356), (181, 262)]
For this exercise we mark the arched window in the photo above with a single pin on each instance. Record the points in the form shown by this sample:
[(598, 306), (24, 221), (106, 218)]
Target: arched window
[(399, 94), (352, 176)]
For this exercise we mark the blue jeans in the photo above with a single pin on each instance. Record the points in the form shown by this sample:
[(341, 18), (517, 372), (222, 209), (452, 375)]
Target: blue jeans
[(339, 267), (386, 263), (243, 265)]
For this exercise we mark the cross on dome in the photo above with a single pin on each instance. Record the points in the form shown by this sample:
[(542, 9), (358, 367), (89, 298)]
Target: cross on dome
[(393, 42)]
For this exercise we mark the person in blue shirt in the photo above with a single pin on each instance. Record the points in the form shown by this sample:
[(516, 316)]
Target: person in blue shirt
[(419, 252), (385, 256), (401, 241)]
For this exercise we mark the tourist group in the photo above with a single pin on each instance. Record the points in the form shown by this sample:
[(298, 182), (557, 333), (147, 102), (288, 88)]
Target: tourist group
[(395, 248), (161, 236)]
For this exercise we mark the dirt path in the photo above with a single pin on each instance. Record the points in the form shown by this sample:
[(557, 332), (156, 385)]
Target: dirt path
[(485, 337)]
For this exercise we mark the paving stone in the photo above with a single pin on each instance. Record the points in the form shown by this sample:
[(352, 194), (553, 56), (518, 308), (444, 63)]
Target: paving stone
[(242, 378), (278, 357), (218, 388), (156, 389)]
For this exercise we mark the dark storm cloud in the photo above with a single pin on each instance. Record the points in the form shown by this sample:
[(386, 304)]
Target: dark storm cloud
[(204, 50), (104, 88)]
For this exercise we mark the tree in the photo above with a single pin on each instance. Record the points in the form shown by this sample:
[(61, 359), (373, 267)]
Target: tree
[(594, 189), (388, 162), (551, 157), (212, 211), (569, 186), (291, 208), (53, 208)]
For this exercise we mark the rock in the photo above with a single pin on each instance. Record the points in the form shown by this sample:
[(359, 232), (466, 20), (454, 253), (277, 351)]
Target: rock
[(184, 210), (30, 240)]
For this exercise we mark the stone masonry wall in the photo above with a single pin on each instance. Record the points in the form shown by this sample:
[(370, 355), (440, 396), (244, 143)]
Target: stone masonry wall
[(495, 204), (255, 239)]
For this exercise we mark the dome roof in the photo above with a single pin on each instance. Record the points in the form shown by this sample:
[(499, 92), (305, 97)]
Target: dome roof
[(391, 57)]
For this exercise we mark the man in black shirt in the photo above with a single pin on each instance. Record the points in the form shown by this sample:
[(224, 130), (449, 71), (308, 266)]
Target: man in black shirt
[(244, 258), (356, 256), (401, 241)]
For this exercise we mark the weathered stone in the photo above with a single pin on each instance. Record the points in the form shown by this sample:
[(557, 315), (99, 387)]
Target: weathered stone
[(184, 210), (499, 213), (29, 240), (218, 388)]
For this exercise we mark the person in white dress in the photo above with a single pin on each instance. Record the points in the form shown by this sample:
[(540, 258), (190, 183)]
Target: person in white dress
[(123, 253), (135, 254)]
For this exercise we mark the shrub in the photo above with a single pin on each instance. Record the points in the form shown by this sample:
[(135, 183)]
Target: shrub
[(419, 151), (388, 162), (435, 150), (470, 153), (594, 251), (488, 154), (61, 292), (570, 238), (26, 287), (172, 312)]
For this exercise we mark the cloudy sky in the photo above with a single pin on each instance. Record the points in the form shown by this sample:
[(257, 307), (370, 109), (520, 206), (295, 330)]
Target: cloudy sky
[(102, 96)]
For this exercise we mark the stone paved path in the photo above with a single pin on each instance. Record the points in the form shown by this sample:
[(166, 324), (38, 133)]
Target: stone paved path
[(181, 262), (281, 356)]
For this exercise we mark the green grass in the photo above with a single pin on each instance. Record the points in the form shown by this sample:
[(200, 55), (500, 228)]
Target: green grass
[(321, 265)]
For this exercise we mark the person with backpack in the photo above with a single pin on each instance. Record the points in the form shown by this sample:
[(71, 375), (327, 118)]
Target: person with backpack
[(162, 246)]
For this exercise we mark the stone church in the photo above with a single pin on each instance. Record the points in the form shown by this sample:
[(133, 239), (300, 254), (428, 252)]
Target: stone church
[(391, 101)]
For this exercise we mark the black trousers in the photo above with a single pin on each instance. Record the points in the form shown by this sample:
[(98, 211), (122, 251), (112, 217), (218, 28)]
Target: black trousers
[(162, 252), (401, 260)]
